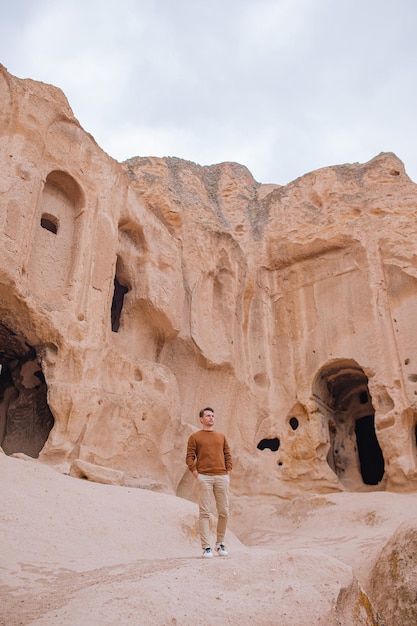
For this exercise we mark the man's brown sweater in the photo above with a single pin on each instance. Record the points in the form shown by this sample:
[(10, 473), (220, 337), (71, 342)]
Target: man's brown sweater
[(208, 452)]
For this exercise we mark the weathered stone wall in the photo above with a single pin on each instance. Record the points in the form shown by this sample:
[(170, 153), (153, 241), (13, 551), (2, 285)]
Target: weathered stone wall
[(146, 290), (68, 214)]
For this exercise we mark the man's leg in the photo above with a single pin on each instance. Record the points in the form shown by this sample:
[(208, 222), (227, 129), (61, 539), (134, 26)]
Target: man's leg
[(205, 489), (221, 495)]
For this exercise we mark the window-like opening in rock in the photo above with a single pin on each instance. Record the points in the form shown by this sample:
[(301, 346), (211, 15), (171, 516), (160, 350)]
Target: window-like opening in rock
[(370, 453), (120, 290), (294, 423), (342, 395), (49, 222), (270, 444), (363, 397), (117, 304), (25, 417)]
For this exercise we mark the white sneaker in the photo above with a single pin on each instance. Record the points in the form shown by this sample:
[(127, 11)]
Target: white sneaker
[(221, 549), (207, 553)]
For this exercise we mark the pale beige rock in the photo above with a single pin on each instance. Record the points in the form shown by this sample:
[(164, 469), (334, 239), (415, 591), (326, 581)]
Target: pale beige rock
[(71, 223), (397, 568), (133, 294), (96, 473), (292, 304)]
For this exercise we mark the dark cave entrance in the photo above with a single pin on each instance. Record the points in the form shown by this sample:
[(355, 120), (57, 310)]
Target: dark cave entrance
[(269, 444), (117, 304), (120, 290), (370, 453), (342, 395), (25, 417)]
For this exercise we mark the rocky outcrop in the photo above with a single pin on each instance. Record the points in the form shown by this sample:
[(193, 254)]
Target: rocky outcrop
[(133, 294), (397, 568), (96, 473)]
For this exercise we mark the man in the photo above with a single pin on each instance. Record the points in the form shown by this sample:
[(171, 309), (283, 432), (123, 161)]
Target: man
[(209, 460)]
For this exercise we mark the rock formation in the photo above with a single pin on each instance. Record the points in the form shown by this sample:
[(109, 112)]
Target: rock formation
[(133, 294), (397, 564)]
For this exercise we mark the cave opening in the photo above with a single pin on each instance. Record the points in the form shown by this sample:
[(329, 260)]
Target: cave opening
[(269, 444), (49, 222), (117, 304), (342, 396), (294, 423), (25, 417), (370, 454), (120, 290)]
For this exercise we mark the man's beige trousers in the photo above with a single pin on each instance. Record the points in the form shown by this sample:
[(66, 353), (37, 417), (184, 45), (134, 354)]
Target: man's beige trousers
[(219, 487)]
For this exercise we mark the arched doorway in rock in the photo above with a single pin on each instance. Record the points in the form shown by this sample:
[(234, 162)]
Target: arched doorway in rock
[(342, 395), (25, 417)]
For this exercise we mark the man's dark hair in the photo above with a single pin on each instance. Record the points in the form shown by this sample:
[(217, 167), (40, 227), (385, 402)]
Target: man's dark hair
[(208, 408)]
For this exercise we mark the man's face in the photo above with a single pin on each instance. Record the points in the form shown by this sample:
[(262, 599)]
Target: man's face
[(207, 420)]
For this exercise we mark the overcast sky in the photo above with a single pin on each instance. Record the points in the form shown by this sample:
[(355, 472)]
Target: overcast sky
[(281, 86)]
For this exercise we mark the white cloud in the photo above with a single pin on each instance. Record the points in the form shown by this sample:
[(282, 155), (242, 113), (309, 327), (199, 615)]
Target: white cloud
[(282, 86)]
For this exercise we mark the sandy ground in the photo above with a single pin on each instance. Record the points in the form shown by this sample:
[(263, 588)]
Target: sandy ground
[(84, 554)]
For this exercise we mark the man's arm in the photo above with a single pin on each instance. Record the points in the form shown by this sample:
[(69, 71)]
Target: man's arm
[(227, 456), (191, 456)]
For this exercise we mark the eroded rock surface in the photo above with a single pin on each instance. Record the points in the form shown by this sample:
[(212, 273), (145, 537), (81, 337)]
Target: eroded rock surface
[(393, 580), (133, 294)]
